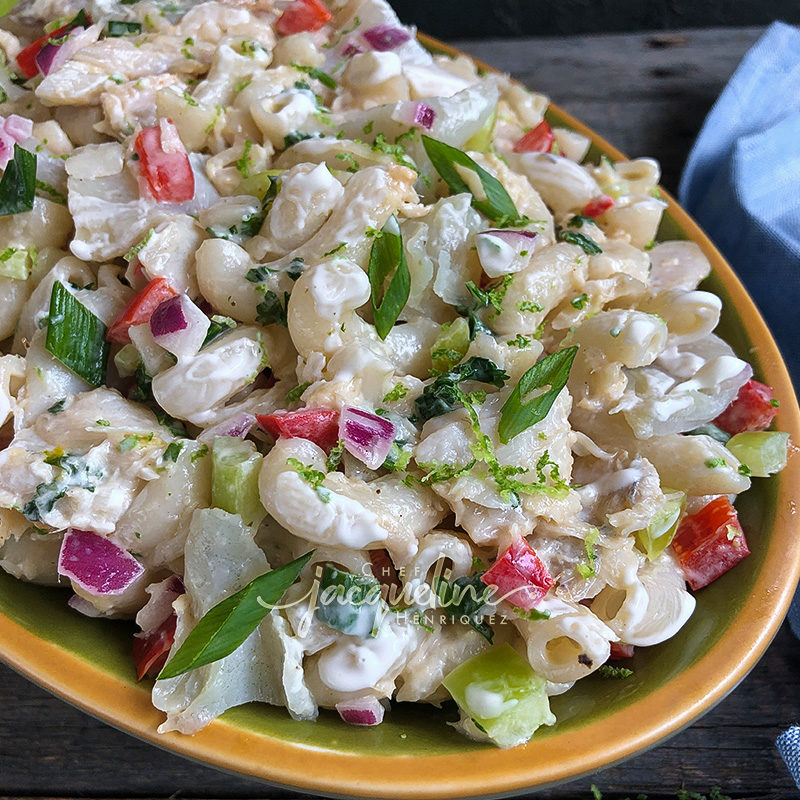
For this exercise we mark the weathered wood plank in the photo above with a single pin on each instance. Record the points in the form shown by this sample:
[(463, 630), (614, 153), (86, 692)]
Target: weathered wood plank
[(47, 746), (646, 93)]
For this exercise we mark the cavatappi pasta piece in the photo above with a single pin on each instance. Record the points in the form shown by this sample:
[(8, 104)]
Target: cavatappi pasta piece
[(565, 186), (677, 265), (569, 645), (649, 607), (553, 274), (194, 388), (314, 513), (610, 342)]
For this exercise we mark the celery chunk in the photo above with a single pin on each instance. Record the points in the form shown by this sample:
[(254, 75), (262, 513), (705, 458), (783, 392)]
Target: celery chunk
[(658, 534), (499, 691), (762, 452), (234, 478)]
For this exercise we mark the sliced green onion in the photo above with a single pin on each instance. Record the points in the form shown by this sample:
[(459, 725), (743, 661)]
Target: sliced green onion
[(76, 337), (711, 430), (762, 452), (225, 627), (655, 538), (18, 184), (553, 371), (387, 256), (451, 344), (235, 465), (463, 175), (349, 603), (499, 691)]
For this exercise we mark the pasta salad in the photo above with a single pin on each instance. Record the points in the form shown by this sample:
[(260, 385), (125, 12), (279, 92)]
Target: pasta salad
[(349, 377)]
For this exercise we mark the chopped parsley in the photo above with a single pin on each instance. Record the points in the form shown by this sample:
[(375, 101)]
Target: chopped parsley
[(338, 249), (332, 462), (589, 568), (198, 454), (103, 423), (713, 463), (520, 341), (316, 74), (607, 671), (398, 392), (243, 163), (491, 297), (586, 243), (530, 306), (579, 301), (57, 407), (312, 476), (270, 311), (172, 451), (296, 393)]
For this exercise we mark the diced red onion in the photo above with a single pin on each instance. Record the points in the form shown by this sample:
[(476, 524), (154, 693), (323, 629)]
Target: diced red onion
[(500, 250), (52, 56), (361, 711), (386, 37), (413, 113), (239, 426), (13, 130), (18, 128), (96, 564), (159, 607), (366, 436), (351, 50), (179, 326)]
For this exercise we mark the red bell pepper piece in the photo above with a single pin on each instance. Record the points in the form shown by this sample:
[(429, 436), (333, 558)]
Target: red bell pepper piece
[(318, 425), (753, 409), (537, 140), (620, 650), (139, 310), (150, 650), (519, 576), (710, 542), (26, 59), (303, 15), (597, 206), (167, 172)]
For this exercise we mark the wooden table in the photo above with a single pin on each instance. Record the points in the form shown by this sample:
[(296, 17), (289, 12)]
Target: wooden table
[(648, 95)]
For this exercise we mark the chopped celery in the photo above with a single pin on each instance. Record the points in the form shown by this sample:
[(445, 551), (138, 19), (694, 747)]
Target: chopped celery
[(259, 184), (349, 603), (15, 263), (126, 360), (481, 140), (762, 452), (655, 538), (234, 478), (502, 695), (451, 344)]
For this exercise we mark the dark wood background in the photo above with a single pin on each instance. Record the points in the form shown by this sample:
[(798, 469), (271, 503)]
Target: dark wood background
[(648, 94), (480, 19)]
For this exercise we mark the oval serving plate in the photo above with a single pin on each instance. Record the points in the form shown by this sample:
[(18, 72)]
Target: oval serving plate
[(414, 754)]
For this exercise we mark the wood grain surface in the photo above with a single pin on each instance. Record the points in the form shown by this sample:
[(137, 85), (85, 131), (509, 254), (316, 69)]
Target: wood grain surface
[(648, 95)]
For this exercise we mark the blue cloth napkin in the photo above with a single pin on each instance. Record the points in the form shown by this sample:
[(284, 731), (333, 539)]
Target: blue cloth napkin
[(742, 184)]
